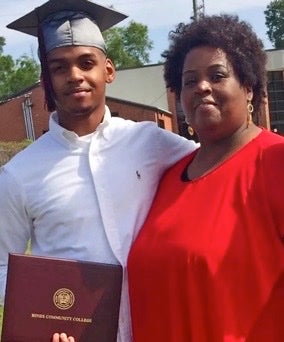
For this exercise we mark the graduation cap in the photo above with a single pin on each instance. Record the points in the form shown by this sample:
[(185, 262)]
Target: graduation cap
[(68, 22)]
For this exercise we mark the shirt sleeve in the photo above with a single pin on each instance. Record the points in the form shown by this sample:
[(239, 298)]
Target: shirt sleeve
[(173, 147), (15, 225)]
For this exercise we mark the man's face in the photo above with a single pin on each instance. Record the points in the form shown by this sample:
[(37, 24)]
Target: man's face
[(79, 75)]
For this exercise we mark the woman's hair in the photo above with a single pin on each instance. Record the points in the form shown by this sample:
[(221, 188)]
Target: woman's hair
[(236, 38)]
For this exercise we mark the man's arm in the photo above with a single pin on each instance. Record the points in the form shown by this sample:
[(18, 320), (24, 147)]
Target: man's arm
[(15, 226)]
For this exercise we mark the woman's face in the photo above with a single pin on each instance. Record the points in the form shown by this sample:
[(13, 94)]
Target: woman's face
[(213, 101)]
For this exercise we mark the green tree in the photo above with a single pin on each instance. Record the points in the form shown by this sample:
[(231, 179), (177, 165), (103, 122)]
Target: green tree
[(16, 75), (2, 43), (128, 46), (274, 21)]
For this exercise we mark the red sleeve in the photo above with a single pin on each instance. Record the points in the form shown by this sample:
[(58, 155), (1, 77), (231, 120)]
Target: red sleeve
[(274, 178)]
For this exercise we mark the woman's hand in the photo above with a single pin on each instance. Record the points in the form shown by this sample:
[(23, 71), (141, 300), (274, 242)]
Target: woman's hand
[(62, 338)]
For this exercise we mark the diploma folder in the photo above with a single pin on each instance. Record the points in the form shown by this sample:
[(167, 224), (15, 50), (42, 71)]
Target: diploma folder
[(47, 295)]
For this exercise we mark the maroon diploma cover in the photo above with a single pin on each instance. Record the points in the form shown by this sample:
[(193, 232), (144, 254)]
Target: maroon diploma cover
[(48, 295)]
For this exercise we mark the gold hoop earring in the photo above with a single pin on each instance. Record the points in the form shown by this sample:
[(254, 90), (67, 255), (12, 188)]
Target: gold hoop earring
[(190, 131), (250, 111)]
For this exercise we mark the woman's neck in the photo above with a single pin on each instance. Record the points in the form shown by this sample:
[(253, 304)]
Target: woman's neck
[(212, 154)]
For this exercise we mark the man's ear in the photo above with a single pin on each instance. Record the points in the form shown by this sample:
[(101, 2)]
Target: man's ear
[(110, 71)]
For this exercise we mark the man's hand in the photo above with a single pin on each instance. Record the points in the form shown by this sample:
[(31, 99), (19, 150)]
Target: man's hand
[(62, 338)]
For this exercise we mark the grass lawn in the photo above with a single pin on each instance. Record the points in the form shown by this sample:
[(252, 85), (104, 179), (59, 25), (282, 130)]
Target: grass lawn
[(9, 149), (1, 318)]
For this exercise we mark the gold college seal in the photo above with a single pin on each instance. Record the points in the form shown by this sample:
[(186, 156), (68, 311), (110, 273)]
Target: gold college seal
[(63, 299)]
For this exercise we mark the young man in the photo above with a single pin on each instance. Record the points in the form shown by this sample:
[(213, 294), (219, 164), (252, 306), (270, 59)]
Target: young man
[(84, 188)]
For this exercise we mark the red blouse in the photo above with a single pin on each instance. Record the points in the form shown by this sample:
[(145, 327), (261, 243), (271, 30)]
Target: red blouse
[(208, 264)]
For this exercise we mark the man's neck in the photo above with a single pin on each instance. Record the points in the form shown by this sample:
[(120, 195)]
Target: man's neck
[(81, 125)]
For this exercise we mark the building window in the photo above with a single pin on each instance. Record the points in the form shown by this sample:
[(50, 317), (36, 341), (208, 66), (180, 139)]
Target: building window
[(161, 123), (275, 89)]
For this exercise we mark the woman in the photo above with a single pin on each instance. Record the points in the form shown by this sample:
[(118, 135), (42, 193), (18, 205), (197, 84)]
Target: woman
[(208, 264)]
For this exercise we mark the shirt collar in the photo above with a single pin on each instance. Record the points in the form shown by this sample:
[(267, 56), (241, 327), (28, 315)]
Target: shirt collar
[(70, 137)]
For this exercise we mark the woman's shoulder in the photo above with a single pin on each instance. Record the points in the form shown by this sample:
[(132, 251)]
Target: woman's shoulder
[(270, 138), (272, 150)]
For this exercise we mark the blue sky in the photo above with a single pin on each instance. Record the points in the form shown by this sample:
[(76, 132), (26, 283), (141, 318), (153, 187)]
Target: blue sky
[(159, 15)]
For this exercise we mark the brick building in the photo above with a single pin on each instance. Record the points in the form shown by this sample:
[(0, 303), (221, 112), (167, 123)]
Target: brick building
[(24, 115), (138, 94), (275, 87)]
